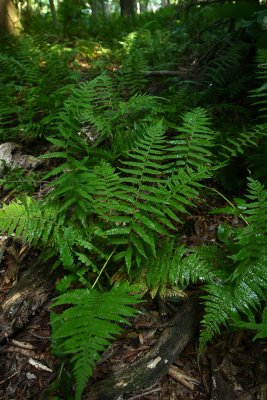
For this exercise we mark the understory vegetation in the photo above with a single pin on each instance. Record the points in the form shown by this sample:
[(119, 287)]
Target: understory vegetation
[(138, 128)]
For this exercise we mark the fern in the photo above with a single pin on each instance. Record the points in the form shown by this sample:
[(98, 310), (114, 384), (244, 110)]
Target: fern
[(152, 198), (225, 65), (260, 94), (192, 146), (235, 146), (86, 328), (40, 224), (28, 220), (241, 293), (260, 327), (94, 103), (226, 303)]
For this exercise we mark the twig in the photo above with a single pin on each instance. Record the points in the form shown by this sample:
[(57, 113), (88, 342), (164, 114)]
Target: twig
[(181, 377), (145, 393), (9, 377)]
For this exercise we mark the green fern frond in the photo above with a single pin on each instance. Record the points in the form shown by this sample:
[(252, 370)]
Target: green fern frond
[(252, 239), (225, 65), (226, 302), (192, 146), (86, 328), (163, 270), (235, 146), (260, 94), (135, 64), (40, 224), (28, 220), (94, 102), (260, 327), (230, 298)]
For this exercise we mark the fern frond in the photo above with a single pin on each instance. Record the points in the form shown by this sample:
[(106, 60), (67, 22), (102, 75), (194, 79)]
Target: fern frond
[(28, 220), (260, 94), (87, 327), (226, 302), (192, 146), (235, 146), (252, 239), (94, 102), (240, 294), (260, 327), (223, 67), (40, 224), (134, 65)]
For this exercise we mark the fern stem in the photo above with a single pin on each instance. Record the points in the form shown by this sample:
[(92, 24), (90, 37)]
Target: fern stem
[(102, 269), (231, 204)]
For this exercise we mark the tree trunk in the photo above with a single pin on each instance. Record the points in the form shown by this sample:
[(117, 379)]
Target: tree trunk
[(165, 3), (53, 12), (127, 8), (104, 9), (9, 19), (94, 8)]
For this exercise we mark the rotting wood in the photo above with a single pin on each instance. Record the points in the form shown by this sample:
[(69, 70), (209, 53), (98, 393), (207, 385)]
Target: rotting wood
[(25, 298), (154, 365)]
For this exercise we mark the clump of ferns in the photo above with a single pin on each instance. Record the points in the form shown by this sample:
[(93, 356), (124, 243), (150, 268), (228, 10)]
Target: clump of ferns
[(101, 214)]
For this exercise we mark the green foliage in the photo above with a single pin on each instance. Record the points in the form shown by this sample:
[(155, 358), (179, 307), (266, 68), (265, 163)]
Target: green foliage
[(18, 181), (260, 327), (126, 167), (121, 208), (193, 144), (87, 327), (134, 65), (229, 297), (32, 76), (260, 94)]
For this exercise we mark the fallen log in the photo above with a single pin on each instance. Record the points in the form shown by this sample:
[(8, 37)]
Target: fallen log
[(25, 298), (155, 364)]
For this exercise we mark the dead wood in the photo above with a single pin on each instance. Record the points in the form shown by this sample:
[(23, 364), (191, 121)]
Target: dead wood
[(25, 298), (155, 364)]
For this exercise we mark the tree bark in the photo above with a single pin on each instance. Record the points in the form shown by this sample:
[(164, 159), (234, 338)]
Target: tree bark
[(9, 20), (53, 12), (127, 8), (165, 3), (25, 298), (155, 364)]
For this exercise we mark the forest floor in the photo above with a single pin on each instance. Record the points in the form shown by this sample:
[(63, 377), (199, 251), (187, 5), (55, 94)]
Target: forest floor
[(232, 367)]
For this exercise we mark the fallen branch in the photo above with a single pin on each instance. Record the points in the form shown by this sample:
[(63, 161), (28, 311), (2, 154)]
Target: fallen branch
[(155, 364)]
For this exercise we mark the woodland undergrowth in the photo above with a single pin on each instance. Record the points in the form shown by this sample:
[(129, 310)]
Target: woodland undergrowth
[(130, 157)]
